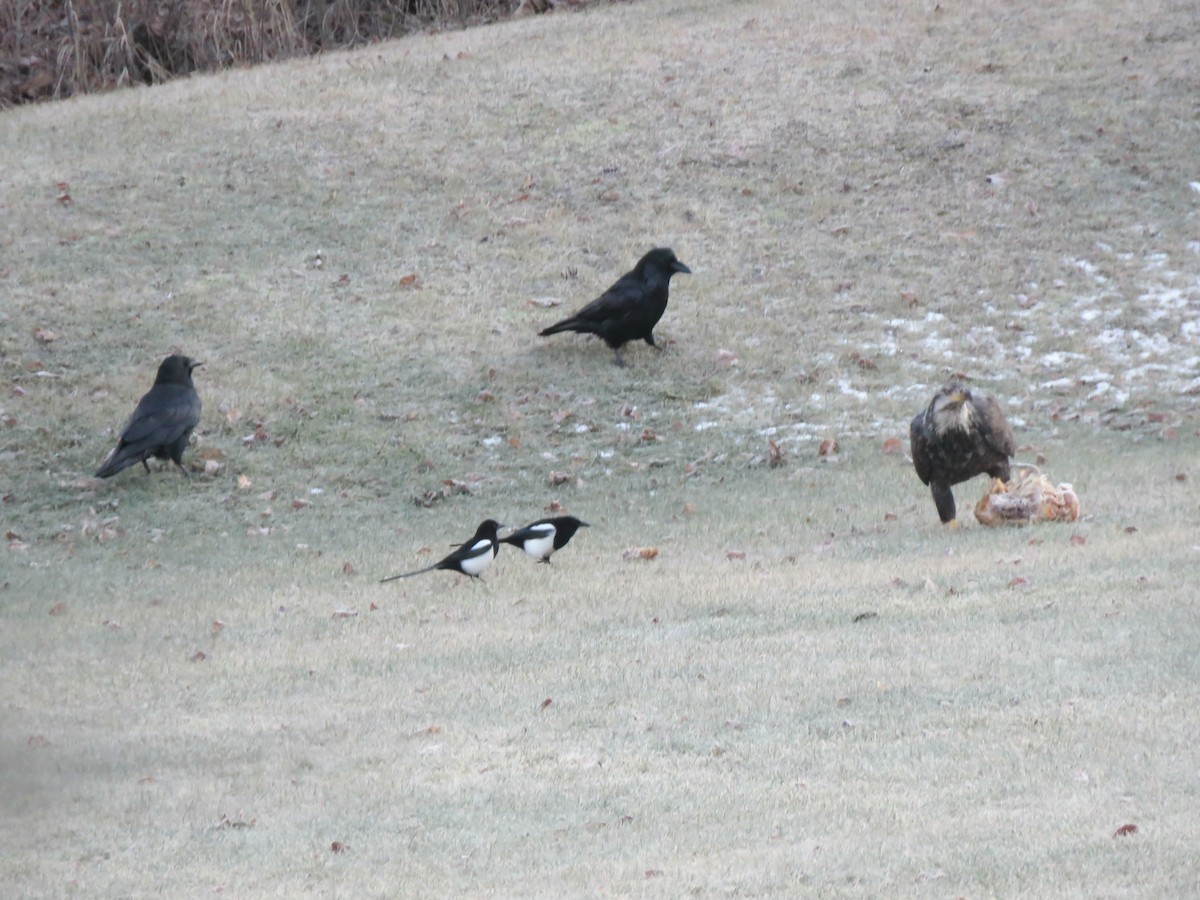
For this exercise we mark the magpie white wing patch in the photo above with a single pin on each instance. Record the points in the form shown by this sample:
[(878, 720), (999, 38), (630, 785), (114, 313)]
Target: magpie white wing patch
[(540, 547), (480, 560)]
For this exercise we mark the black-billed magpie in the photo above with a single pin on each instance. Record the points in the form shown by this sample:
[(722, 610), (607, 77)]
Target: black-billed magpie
[(629, 310), (471, 558), (161, 423), (542, 538)]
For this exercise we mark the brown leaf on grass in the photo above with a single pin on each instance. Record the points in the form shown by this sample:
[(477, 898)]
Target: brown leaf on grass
[(909, 299), (553, 507), (217, 626), (198, 656), (890, 516), (557, 478), (347, 568), (893, 446), (298, 504), (1078, 540), (410, 281), (775, 454), (1181, 476), (44, 336), (1018, 582), (37, 740), (726, 359), (339, 847), (640, 553), (58, 609), (1131, 529), (546, 703), (654, 873), (226, 822), (828, 447), (207, 453), (344, 613), (1125, 830), (735, 554), (244, 483), (374, 607)]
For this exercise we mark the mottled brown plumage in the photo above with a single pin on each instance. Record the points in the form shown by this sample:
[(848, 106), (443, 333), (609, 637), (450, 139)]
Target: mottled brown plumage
[(960, 435)]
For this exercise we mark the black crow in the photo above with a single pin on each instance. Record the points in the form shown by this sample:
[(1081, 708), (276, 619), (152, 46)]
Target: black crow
[(542, 538), (629, 310), (471, 558), (161, 423), (961, 435)]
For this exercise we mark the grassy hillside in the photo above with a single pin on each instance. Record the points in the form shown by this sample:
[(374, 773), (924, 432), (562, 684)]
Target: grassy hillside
[(812, 687)]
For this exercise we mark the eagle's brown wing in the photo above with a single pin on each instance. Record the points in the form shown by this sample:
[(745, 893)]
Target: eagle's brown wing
[(918, 439), (993, 427)]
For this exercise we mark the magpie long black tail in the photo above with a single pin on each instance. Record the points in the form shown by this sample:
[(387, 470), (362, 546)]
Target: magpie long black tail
[(409, 574)]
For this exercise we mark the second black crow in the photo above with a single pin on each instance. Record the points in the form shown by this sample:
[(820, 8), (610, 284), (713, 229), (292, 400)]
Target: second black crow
[(629, 310), (470, 559), (161, 423), (542, 538)]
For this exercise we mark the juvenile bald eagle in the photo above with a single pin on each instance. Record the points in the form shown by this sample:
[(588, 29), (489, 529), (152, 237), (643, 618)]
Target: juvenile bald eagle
[(960, 435)]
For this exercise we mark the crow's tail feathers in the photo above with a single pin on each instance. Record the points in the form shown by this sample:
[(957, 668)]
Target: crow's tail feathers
[(116, 461), (575, 324)]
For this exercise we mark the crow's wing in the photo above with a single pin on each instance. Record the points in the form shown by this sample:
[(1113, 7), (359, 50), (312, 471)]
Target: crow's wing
[(618, 302), (162, 416)]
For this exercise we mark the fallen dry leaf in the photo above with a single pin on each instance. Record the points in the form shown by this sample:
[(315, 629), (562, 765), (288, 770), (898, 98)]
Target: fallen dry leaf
[(546, 702), (775, 457), (828, 447), (339, 847), (1078, 540), (198, 656), (1125, 830), (893, 446), (640, 553), (735, 554), (345, 613)]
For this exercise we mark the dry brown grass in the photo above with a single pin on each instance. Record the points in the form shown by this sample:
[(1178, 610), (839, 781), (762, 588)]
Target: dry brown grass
[(51, 49), (871, 197)]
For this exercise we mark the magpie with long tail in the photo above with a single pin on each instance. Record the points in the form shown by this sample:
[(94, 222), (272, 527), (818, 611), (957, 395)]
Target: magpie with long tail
[(545, 537), (161, 423), (471, 559), (629, 310)]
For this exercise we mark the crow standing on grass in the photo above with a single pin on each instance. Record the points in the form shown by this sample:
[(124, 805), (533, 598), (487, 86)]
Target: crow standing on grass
[(962, 434), (629, 310), (161, 423), (470, 559), (542, 538)]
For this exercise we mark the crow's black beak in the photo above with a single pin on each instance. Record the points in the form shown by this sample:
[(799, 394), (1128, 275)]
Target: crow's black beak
[(680, 267)]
